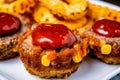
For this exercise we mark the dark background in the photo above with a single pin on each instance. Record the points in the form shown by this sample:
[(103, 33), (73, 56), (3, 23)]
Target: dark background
[(117, 2)]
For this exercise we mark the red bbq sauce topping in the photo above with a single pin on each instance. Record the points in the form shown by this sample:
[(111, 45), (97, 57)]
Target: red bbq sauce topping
[(8, 24), (53, 36), (107, 28)]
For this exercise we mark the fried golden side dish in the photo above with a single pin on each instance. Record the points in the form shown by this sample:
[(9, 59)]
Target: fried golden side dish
[(16, 7), (68, 9), (97, 11), (42, 14)]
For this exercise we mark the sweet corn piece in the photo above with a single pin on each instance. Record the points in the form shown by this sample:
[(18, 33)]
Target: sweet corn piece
[(106, 49), (14, 49), (45, 61), (76, 46), (77, 58), (91, 42)]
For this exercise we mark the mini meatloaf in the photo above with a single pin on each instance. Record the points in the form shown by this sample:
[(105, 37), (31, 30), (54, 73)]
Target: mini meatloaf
[(104, 40), (51, 51), (11, 29)]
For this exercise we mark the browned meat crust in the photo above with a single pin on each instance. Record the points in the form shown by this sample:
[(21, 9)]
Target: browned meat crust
[(8, 43), (50, 72), (95, 48), (61, 67), (112, 58)]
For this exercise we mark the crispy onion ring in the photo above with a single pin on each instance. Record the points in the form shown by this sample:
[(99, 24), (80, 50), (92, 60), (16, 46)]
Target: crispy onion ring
[(42, 14), (68, 9), (16, 6)]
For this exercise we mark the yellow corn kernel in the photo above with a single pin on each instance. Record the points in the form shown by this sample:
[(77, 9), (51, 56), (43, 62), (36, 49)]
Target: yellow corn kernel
[(106, 49), (45, 61), (76, 46), (76, 58), (14, 49), (91, 42), (102, 42)]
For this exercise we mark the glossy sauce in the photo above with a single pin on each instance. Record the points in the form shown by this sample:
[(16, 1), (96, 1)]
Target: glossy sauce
[(8, 24), (52, 36), (107, 28)]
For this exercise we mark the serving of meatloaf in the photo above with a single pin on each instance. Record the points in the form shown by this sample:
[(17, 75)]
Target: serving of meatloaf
[(61, 60), (104, 48), (8, 43)]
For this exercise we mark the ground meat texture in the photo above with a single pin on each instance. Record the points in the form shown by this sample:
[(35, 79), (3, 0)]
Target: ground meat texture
[(8, 43), (114, 56), (61, 67)]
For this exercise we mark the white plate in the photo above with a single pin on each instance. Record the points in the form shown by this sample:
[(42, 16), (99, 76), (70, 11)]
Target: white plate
[(90, 69)]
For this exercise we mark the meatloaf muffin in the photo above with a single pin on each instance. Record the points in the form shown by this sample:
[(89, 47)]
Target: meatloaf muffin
[(104, 39), (51, 51), (11, 28)]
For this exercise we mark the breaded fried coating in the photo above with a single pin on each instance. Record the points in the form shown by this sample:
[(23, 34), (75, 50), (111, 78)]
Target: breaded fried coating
[(42, 14), (16, 6), (97, 11), (68, 9)]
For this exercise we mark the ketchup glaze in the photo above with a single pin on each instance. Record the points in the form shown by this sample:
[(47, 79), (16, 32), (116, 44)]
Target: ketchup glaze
[(52, 36), (8, 24), (107, 28)]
